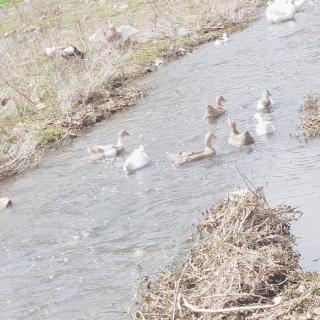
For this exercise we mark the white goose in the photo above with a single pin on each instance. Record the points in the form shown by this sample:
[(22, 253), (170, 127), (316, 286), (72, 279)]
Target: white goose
[(101, 152), (263, 127), (280, 11), (221, 40), (138, 159), (265, 102)]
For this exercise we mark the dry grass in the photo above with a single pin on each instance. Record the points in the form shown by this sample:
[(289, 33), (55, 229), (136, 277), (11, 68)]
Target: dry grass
[(244, 267), (86, 89), (310, 117)]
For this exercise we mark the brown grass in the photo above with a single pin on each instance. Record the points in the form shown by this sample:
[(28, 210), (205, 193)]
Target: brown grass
[(78, 94), (244, 267), (310, 117)]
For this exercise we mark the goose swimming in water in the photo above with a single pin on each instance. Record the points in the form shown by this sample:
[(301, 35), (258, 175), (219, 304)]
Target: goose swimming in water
[(263, 127), (238, 139), (221, 40), (100, 152), (265, 102), (280, 11), (213, 113), (72, 52), (138, 159), (189, 156)]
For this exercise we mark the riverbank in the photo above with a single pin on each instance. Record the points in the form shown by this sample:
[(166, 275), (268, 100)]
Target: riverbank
[(244, 267), (48, 101)]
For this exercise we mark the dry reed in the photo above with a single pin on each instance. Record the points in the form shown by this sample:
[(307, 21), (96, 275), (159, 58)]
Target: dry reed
[(244, 267), (310, 117)]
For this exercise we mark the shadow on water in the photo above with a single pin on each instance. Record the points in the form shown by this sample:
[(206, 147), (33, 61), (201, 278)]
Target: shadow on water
[(73, 243)]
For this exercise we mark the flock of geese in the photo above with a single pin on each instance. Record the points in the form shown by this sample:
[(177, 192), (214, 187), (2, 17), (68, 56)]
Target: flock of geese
[(138, 159), (277, 11), (118, 37)]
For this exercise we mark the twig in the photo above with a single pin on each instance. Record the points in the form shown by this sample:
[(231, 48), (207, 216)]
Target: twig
[(228, 310), (176, 291)]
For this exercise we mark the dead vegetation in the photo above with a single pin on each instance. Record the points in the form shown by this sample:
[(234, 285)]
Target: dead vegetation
[(310, 117), (244, 267), (51, 99)]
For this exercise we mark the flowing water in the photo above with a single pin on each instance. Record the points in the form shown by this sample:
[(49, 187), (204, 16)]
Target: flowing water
[(74, 242)]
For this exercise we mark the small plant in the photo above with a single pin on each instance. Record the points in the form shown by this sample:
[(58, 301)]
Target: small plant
[(9, 3), (50, 135)]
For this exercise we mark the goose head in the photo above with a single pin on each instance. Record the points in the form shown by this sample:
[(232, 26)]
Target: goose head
[(112, 33), (220, 99), (121, 135), (232, 126), (266, 93)]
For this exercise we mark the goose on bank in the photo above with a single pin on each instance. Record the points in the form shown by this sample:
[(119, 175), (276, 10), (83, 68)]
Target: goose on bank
[(103, 151), (120, 36), (138, 159), (189, 156), (236, 138), (280, 11)]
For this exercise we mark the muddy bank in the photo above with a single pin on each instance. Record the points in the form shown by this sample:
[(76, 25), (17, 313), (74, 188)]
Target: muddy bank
[(244, 267)]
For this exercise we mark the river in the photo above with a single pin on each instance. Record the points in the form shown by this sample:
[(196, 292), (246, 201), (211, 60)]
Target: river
[(74, 242)]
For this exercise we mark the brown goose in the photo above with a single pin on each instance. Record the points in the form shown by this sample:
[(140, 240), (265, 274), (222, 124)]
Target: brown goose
[(188, 156), (216, 112), (238, 139)]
